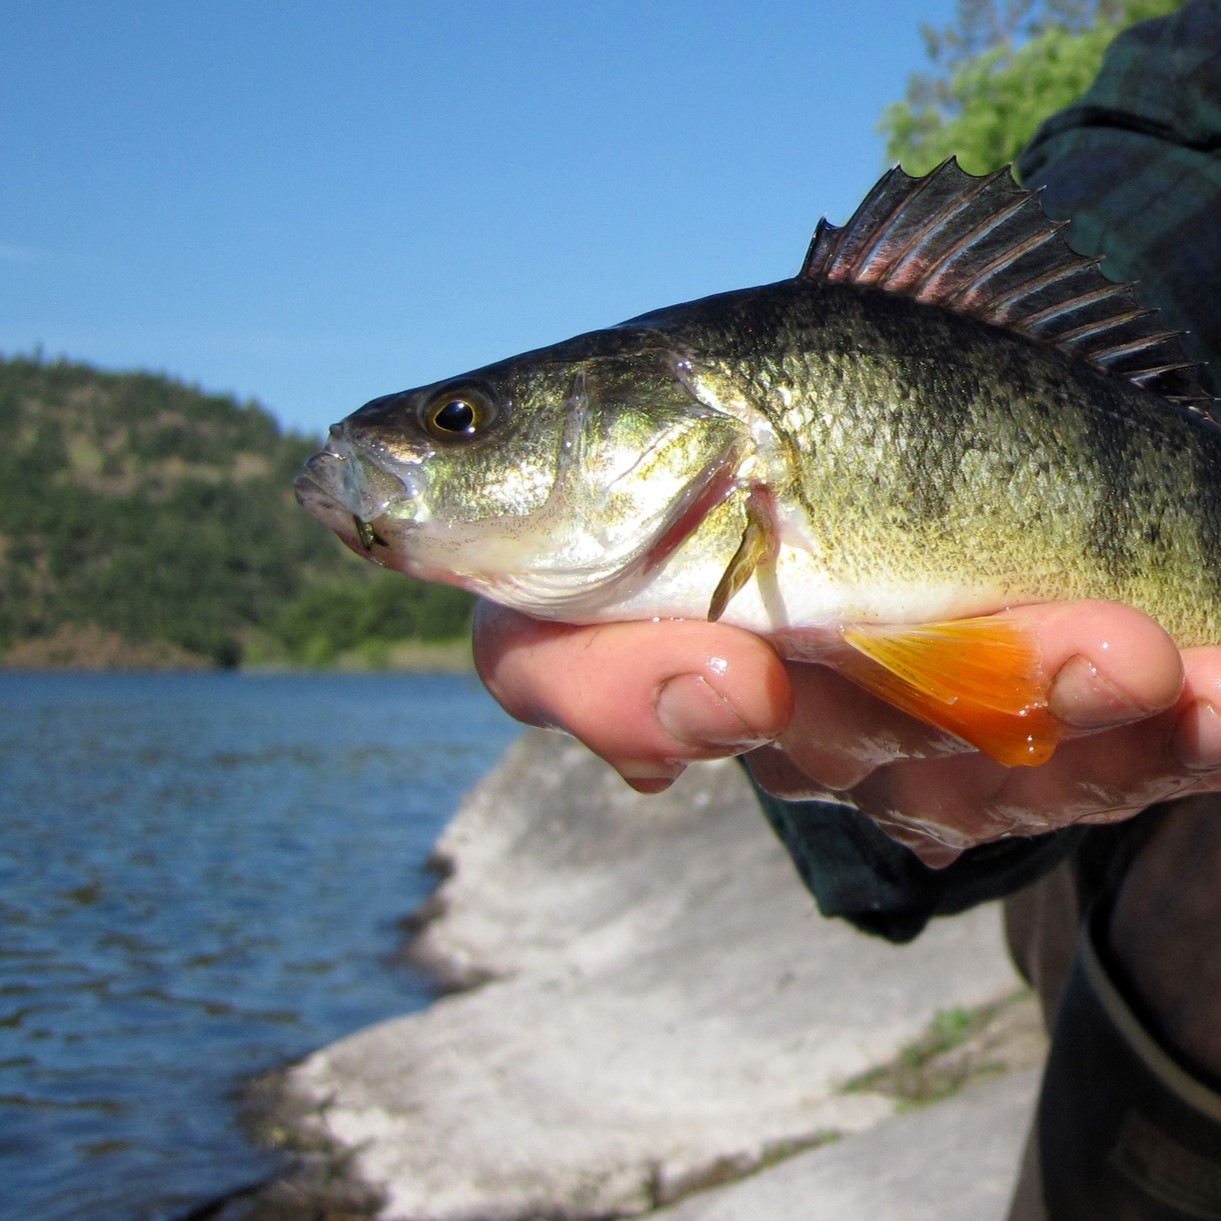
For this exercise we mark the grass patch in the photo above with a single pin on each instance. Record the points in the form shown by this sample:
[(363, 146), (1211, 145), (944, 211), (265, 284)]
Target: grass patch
[(959, 1047)]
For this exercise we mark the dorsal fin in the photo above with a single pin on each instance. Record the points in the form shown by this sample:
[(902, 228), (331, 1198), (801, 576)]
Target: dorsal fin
[(984, 247)]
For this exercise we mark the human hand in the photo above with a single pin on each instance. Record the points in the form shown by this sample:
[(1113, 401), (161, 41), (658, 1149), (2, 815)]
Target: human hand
[(1143, 723)]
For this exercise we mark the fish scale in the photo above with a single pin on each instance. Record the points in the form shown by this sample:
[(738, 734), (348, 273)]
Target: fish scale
[(948, 412)]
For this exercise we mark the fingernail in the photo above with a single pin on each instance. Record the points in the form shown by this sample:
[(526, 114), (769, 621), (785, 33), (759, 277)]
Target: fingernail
[(649, 776), (1196, 740), (932, 849), (1084, 697), (648, 787), (935, 855), (695, 714)]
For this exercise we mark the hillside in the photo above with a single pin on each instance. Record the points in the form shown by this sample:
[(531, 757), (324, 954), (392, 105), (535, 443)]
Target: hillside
[(144, 523)]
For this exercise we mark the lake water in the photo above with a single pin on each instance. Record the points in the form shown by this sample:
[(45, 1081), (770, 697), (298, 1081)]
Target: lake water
[(201, 877)]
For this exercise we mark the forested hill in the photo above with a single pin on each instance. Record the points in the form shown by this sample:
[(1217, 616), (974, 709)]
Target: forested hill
[(146, 523)]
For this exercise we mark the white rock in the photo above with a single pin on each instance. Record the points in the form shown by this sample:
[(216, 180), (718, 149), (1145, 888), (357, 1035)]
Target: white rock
[(955, 1161)]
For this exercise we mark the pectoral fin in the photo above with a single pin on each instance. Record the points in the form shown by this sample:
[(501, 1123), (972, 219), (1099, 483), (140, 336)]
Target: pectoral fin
[(978, 678), (758, 547)]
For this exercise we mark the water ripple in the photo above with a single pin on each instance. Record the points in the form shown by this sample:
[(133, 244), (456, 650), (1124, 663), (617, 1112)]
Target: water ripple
[(202, 877)]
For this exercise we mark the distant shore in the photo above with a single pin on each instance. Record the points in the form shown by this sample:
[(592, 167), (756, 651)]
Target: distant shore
[(90, 648), (408, 656)]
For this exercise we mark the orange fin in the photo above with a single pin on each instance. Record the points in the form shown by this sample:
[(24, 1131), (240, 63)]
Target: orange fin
[(978, 678)]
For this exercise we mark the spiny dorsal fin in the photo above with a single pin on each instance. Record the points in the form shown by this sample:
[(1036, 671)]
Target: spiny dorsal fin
[(985, 248)]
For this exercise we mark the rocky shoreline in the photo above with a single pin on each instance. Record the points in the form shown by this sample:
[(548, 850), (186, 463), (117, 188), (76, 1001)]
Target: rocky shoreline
[(655, 1018)]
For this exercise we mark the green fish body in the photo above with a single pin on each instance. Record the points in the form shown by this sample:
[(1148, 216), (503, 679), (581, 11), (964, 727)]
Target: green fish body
[(945, 414)]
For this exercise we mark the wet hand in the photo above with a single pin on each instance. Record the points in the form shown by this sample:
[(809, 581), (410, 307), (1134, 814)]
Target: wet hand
[(1142, 722), (649, 698)]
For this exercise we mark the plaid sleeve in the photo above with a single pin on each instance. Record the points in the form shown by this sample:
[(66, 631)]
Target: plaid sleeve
[(1136, 166)]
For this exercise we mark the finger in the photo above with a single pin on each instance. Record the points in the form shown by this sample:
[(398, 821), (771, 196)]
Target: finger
[(1111, 664), (647, 697), (839, 734), (1195, 740), (948, 801), (776, 773)]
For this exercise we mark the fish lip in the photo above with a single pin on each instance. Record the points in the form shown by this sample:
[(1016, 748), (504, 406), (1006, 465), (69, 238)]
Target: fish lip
[(313, 496), (322, 489), (351, 480), (319, 502)]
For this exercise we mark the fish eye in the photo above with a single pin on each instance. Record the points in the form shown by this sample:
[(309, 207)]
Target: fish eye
[(458, 415)]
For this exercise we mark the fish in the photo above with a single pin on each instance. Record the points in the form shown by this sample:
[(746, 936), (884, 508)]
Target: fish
[(946, 413)]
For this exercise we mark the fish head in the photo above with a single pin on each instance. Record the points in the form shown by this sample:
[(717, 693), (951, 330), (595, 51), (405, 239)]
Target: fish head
[(551, 482)]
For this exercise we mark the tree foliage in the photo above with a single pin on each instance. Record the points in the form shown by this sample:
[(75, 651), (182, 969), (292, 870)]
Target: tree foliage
[(1003, 67), (369, 617), (150, 510)]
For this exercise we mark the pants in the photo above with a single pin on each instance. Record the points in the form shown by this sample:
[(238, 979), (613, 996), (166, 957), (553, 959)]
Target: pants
[(1123, 947)]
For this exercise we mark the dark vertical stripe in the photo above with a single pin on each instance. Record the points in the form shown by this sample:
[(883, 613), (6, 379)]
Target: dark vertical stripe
[(1114, 458), (1206, 489), (931, 442)]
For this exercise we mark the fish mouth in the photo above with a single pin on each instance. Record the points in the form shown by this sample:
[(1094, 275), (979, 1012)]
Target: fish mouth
[(359, 493)]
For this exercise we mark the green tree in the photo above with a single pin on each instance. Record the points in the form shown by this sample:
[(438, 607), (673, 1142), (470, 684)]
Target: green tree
[(1003, 67), (137, 507), (379, 609)]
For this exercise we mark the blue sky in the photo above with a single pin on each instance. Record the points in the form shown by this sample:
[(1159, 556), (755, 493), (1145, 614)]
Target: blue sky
[(313, 204)]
